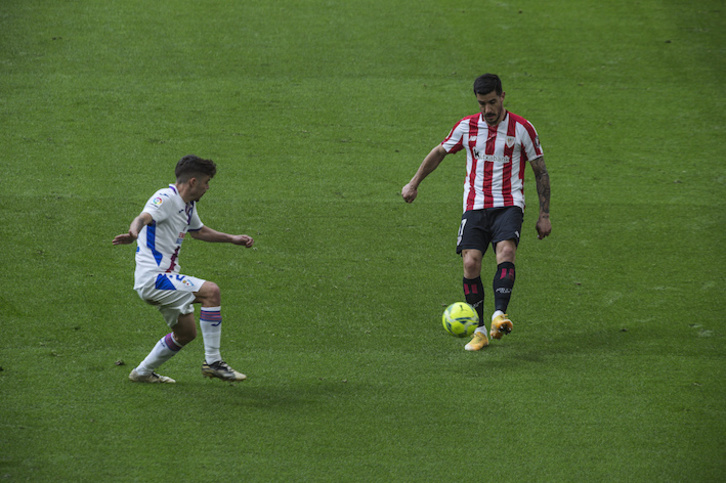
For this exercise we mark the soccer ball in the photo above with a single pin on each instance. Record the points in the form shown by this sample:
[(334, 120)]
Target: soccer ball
[(460, 319)]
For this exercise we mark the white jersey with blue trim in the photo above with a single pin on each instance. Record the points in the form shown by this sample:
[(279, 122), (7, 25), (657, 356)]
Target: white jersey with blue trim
[(159, 243)]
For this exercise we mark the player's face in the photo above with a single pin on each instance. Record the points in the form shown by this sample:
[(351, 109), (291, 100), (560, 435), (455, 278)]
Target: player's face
[(492, 107), (199, 187)]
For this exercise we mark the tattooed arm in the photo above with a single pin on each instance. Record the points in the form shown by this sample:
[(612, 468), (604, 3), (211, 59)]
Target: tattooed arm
[(542, 178)]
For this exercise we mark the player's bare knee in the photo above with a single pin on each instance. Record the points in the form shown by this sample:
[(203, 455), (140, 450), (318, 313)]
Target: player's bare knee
[(209, 295), (472, 264), (472, 269), (506, 252), (215, 296)]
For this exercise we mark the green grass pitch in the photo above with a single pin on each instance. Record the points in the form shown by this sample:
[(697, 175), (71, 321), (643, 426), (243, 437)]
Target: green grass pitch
[(317, 113)]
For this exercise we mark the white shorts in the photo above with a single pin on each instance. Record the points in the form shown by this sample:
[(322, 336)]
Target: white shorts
[(172, 293)]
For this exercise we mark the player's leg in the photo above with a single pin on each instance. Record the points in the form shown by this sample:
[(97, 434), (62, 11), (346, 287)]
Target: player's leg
[(503, 282), (473, 287), (172, 295), (165, 349), (210, 321), (183, 332), (472, 243), (506, 227), (185, 329), (474, 294)]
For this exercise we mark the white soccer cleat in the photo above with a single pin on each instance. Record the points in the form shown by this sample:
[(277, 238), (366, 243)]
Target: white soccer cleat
[(153, 378), (221, 370)]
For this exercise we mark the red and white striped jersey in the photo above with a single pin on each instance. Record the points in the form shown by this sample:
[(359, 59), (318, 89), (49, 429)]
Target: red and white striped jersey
[(495, 159)]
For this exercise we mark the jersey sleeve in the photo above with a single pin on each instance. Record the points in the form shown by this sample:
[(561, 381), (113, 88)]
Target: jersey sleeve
[(159, 206), (454, 141), (195, 223), (530, 141)]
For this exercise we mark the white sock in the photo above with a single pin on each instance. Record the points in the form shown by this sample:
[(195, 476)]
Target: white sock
[(497, 314), (210, 320), (165, 349)]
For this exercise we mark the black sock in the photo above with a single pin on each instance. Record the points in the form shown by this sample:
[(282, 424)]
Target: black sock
[(474, 294), (503, 284)]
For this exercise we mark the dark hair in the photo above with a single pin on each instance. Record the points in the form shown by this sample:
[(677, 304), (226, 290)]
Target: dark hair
[(190, 166), (487, 83)]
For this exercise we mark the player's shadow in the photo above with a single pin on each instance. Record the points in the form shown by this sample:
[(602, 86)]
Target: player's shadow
[(273, 395), (609, 340)]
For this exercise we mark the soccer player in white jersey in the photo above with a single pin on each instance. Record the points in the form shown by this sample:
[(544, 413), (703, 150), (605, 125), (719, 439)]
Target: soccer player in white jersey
[(498, 145), (159, 231)]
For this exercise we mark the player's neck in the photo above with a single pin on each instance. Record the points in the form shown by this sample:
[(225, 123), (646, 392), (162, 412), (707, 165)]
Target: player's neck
[(184, 191)]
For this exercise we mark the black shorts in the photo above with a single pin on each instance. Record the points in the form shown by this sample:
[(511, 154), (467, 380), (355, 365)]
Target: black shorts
[(479, 228)]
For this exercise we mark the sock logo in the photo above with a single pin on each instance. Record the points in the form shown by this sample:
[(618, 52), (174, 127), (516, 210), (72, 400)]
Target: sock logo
[(214, 317), (507, 273)]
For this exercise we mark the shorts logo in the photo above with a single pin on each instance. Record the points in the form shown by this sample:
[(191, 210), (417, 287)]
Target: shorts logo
[(157, 201), (184, 281)]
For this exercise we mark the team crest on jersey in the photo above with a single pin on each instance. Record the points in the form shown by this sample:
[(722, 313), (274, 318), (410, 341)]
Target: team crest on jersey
[(157, 201), (510, 141)]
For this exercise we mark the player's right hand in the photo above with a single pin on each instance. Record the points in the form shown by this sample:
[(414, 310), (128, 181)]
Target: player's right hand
[(124, 239), (409, 193)]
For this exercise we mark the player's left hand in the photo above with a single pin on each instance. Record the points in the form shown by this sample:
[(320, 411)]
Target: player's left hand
[(244, 240), (544, 227)]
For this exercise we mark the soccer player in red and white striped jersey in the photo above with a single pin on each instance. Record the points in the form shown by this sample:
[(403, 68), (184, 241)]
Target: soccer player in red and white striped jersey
[(498, 145)]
